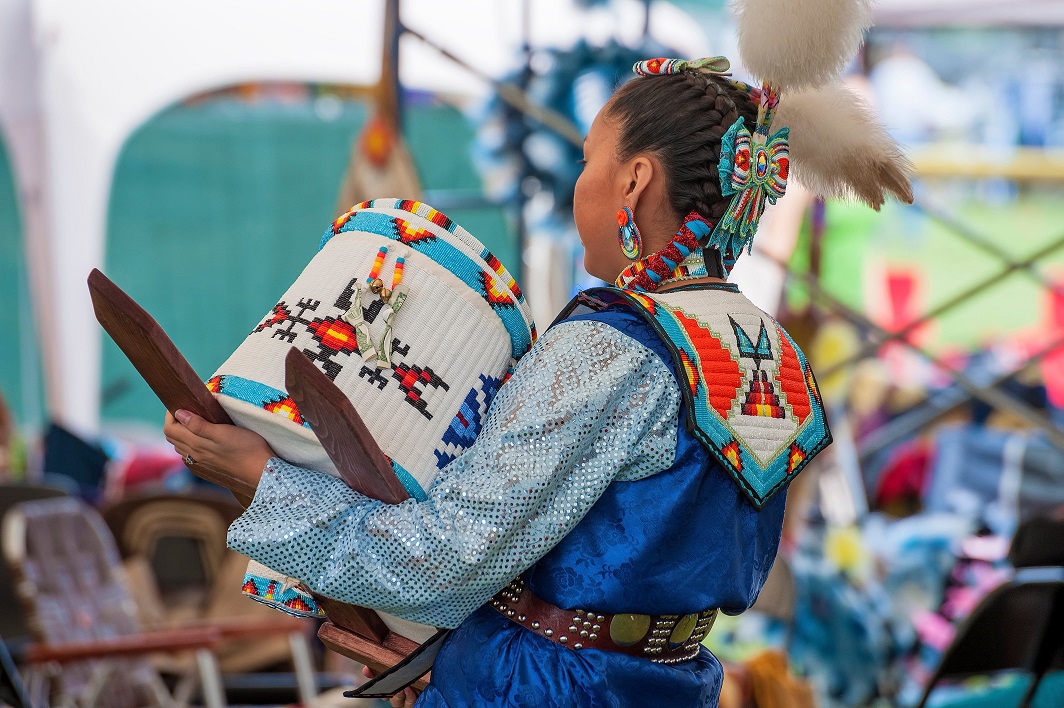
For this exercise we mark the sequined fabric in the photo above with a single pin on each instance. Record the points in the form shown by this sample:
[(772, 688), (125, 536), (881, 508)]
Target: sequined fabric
[(586, 407)]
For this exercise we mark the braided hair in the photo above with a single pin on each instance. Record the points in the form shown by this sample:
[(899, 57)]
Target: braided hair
[(681, 118)]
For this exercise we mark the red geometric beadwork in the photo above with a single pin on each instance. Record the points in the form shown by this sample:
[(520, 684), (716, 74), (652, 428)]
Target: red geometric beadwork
[(496, 296), (731, 453), (286, 407), (723, 377), (411, 234), (795, 458), (334, 334), (793, 381)]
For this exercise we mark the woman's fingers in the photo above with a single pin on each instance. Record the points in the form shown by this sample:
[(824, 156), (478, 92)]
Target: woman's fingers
[(405, 699), (198, 426), (177, 435)]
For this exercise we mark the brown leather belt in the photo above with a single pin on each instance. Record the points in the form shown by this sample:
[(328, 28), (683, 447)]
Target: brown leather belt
[(665, 639)]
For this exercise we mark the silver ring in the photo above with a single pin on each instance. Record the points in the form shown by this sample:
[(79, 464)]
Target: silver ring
[(189, 461)]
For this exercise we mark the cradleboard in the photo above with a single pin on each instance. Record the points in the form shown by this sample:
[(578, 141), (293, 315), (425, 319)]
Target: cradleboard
[(410, 326)]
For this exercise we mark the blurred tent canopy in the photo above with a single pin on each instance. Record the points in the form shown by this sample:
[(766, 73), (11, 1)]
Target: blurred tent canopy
[(969, 13), (77, 79)]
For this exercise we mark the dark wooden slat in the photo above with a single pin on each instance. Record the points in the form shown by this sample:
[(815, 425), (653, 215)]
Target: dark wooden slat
[(252, 628), (348, 442), (377, 656), (160, 364), (151, 352), (360, 620)]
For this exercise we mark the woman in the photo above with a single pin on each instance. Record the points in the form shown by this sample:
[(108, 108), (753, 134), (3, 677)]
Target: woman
[(631, 475)]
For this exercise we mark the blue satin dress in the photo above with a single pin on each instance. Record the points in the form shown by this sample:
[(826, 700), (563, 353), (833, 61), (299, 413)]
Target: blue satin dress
[(679, 542)]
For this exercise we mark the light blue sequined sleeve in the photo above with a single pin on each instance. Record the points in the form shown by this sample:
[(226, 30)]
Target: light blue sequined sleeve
[(586, 406)]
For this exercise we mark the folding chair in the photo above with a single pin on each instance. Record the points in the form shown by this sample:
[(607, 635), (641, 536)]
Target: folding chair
[(92, 648), (179, 543), (1018, 626), (13, 626)]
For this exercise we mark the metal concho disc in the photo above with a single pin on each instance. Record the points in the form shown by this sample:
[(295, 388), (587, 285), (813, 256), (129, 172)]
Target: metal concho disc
[(626, 630), (682, 631)]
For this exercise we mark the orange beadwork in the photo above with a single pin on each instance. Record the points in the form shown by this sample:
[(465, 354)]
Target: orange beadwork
[(378, 263)]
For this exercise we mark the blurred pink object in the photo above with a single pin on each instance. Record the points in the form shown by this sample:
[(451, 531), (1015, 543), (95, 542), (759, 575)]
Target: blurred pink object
[(985, 548), (933, 629), (1053, 364), (145, 468)]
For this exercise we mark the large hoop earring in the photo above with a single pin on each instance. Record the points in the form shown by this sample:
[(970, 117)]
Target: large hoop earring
[(628, 234)]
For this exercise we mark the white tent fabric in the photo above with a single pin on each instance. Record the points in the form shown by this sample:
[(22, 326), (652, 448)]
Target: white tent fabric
[(80, 77), (969, 13), (76, 78)]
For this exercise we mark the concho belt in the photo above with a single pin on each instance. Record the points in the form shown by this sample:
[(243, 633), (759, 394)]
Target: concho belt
[(665, 639)]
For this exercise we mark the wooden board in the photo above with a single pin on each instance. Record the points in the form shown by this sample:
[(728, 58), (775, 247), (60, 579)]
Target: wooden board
[(377, 656), (362, 621), (151, 352), (160, 364), (340, 430)]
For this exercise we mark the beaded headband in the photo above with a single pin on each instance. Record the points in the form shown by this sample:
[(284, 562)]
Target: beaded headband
[(661, 66)]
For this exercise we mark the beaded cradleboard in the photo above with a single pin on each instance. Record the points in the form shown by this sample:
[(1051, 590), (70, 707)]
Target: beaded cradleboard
[(750, 395), (415, 321)]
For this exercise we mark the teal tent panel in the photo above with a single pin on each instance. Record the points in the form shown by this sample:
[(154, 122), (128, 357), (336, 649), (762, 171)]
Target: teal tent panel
[(215, 209), (217, 206), (20, 370)]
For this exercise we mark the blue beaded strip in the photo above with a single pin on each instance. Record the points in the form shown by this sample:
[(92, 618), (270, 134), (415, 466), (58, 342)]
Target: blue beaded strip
[(257, 394), (411, 485)]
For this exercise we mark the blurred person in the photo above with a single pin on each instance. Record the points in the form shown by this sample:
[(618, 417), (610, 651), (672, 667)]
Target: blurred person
[(915, 104), (631, 477)]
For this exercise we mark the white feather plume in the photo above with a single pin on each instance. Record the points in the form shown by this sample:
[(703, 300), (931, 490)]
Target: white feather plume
[(839, 149), (794, 44)]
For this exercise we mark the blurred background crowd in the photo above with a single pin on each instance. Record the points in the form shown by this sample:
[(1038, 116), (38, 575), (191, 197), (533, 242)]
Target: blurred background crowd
[(195, 153)]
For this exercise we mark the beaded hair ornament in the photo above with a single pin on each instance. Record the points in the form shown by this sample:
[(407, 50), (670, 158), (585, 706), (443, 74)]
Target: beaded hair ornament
[(753, 167), (799, 48)]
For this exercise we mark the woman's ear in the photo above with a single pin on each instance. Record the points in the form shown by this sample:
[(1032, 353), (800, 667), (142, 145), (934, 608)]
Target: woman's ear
[(638, 172)]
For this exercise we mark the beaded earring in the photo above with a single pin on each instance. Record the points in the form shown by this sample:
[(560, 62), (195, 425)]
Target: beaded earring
[(628, 234)]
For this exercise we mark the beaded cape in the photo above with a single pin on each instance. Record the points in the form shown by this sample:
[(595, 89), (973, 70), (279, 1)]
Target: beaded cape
[(752, 400)]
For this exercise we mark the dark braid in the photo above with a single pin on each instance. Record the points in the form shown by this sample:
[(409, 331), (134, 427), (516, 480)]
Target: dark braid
[(681, 118)]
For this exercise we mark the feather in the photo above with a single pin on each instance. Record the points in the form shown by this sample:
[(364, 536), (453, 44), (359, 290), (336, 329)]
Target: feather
[(839, 149), (793, 44)]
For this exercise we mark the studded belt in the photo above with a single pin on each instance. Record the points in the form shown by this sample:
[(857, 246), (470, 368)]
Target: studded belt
[(665, 639)]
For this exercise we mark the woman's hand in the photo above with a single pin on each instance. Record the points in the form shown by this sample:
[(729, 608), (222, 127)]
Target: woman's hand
[(225, 454), (403, 699)]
